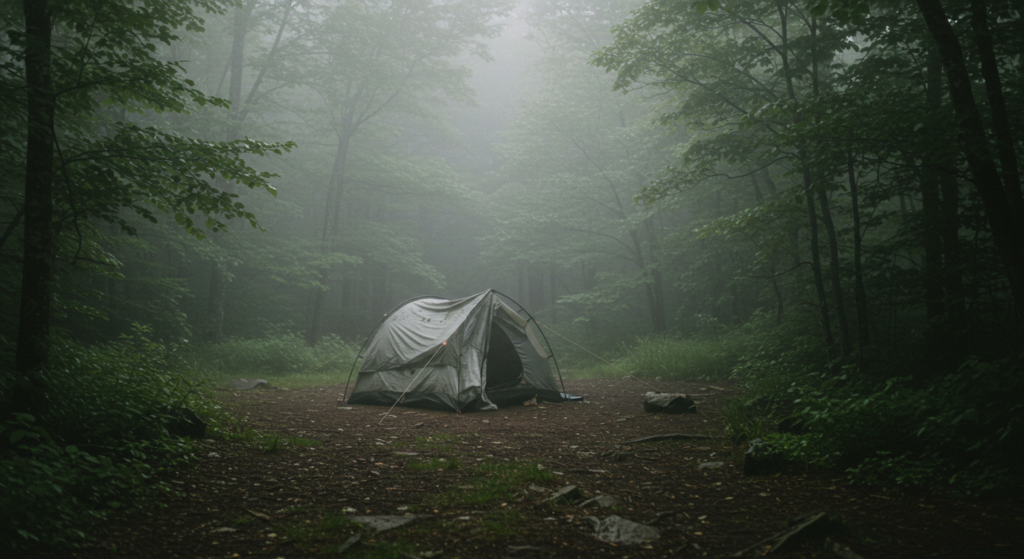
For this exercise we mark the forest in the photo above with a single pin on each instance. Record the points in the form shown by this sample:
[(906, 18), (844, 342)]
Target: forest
[(816, 201)]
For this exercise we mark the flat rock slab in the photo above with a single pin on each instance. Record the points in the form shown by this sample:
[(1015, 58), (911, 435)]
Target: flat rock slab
[(656, 402), (248, 384), (601, 501), (618, 530), (385, 523), (568, 493)]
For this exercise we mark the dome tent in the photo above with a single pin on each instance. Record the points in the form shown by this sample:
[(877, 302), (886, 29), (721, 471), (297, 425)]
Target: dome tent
[(466, 354)]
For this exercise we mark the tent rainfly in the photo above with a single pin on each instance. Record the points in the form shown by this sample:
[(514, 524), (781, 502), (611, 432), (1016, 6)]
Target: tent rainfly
[(466, 354)]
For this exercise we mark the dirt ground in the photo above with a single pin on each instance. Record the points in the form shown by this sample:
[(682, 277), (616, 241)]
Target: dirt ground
[(240, 500)]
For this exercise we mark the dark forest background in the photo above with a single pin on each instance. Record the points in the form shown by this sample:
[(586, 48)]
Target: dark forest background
[(819, 199)]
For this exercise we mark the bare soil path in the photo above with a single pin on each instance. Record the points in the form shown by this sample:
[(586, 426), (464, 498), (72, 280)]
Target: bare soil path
[(240, 500)]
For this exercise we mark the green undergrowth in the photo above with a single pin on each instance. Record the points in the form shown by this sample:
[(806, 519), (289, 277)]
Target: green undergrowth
[(326, 535), (268, 442), (494, 482), (286, 360), (98, 446), (957, 433), (710, 355)]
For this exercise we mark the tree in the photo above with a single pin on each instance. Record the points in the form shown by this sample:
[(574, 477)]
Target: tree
[(87, 66), (387, 58)]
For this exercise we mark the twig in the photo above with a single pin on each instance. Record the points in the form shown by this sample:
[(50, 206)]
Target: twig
[(670, 436)]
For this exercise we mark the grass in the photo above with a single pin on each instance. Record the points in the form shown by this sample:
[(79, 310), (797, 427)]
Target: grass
[(504, 523), (321, 535), (666, 358), (494, 482), (270, 443)]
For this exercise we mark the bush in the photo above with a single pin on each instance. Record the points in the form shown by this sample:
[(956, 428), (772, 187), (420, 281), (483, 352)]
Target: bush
[(99, 443), (280, 355)]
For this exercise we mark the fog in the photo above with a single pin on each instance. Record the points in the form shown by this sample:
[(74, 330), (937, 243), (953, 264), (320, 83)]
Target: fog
[(688, 175)]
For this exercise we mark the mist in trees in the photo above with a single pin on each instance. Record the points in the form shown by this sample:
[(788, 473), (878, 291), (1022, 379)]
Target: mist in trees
[(843, 171)]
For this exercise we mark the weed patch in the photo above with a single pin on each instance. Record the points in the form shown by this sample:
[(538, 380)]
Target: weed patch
[(494, 482)]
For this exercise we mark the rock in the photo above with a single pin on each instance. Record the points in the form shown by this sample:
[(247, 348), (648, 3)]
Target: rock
[(386, 522), (620, 531), (223, 530), (710, 465), (569, 493), (248, 384), (836, 550), (603, 501), (761, 459), (656, 402), (183, 422)]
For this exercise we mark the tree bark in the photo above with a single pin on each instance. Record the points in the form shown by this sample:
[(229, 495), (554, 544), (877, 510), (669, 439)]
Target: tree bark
[(33, 349), (931, 232), (1002, 217), (819, 282), (329, 237), (859, 293), (997, 105)]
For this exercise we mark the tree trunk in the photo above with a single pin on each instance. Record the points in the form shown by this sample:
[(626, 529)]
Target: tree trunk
[(859, 293), (1002, 217), (33, 350), (329, 237), (819, 282), (835, 274), (1000, 116), (931, 232)]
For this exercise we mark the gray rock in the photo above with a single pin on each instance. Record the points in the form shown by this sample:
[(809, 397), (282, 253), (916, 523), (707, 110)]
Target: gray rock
[(620, 531), (248, 384), (710, 465), (656, 402), (384, 523), (601, 501), (569, 493)]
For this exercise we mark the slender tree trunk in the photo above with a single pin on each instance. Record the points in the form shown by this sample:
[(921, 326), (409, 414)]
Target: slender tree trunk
[(835, 275), (931, 232), (1000, 117), (329, 237), (859, 293), (819, 281), (1002, 216), (218, 273), (33, 350), (956, 299)]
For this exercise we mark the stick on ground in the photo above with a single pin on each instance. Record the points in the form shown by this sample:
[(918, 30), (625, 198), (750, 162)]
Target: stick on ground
[(670, 436)]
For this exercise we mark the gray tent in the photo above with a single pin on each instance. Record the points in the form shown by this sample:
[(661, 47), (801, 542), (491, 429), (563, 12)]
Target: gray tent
[(467, 354)]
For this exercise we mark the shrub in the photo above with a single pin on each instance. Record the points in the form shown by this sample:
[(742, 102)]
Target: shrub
[(99, 444), (280, 355)]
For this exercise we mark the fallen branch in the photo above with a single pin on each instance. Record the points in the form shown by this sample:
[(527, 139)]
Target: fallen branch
[(668, 437)]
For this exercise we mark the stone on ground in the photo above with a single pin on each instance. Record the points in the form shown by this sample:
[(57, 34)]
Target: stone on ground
[(600, 501), (386, 522), (620, 531), (656, 402), (569, 493), (248, 384)]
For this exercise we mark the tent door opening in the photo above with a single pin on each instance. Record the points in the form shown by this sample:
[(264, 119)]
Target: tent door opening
[(504, 367)]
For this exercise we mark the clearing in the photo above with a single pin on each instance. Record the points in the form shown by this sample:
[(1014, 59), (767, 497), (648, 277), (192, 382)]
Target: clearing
[(290, 492)]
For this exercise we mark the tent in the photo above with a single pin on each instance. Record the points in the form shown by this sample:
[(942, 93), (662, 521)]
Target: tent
[(466, 354)]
